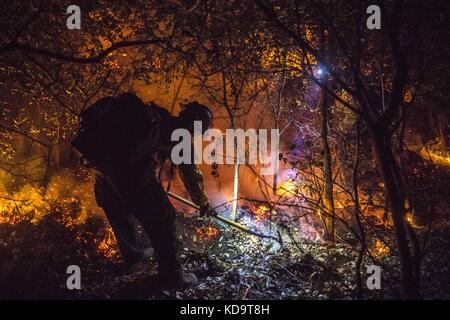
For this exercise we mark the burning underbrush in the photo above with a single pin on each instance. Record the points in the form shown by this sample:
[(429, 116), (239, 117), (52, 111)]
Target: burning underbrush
[(44, 230), (34, 256), (68, 191), (230, 264)]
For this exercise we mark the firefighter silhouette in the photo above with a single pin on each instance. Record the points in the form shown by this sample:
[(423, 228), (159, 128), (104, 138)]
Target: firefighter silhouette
[(125, 142)]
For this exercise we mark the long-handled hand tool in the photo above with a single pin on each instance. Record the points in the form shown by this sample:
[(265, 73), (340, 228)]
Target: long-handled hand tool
[(215, 215)]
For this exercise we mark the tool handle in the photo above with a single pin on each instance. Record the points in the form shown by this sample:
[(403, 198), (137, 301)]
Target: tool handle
[(220, 218)]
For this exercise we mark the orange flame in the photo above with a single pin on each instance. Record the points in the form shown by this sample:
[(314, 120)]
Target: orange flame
[(288, 188), (380, 249), (261, 212), (108, 245), (436, 157), (70, 196), (206, 233)]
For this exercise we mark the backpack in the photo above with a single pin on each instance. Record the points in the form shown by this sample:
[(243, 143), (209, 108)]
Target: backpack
[(112, 128)]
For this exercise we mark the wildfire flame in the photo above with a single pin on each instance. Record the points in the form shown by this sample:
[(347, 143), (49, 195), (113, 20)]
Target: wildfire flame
[(27, 204), (287, 189), (65, 194), (380, 249), (410, 219), (438, 158), (261, 212), (108, 245), (206, 233)]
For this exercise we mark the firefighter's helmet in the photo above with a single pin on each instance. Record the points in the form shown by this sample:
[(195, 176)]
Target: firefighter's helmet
[(194, 111)]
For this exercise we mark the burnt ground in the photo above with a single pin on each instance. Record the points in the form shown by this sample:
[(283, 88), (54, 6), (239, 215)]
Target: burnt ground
[(229, 265)]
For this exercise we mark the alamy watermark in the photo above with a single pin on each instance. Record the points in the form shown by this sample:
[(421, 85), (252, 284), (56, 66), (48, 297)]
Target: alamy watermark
[(228, 148), (373, 282), (74, 20), (374, 20), (73, 281)]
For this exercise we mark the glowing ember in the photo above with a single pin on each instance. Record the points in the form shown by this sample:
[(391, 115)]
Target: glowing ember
[(381, 218), (108, 246), (410, 218), (27, 204), (437, 158), (261, 212), (206, 233), (380, 249)]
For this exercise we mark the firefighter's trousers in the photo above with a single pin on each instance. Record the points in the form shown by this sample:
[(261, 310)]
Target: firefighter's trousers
[(142, 195)]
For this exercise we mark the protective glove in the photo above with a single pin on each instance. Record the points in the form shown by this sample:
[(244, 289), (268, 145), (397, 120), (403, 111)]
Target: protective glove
[(206, 209)]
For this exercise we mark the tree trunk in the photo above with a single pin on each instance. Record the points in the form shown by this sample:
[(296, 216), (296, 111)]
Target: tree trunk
[(235, 190), (328, 200), (326, 47), (393, 187), (358, 277)]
